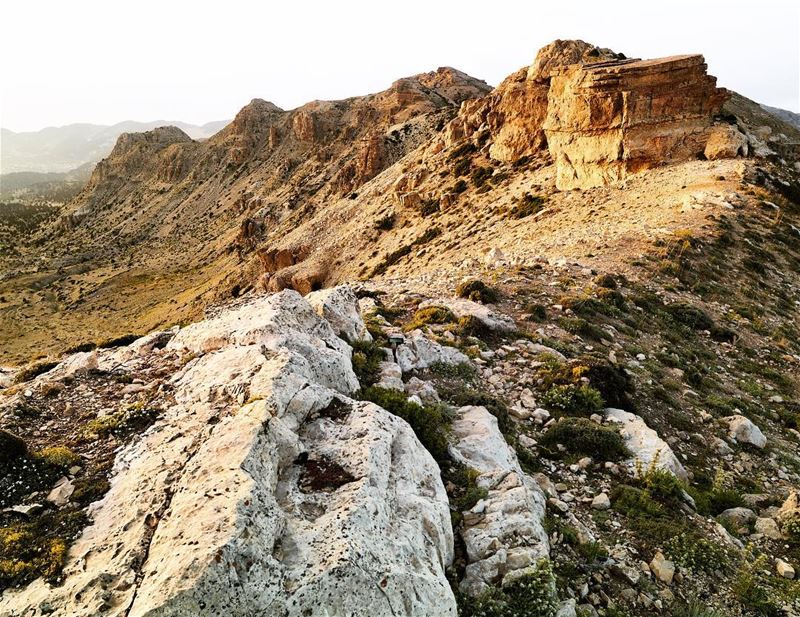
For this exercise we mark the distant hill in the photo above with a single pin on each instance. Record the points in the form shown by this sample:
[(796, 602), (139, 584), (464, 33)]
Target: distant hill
[(784, 114), (64, 148), (50, 186)]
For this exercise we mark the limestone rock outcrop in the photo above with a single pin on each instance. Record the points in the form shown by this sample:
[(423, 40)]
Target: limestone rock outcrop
[(265, 489), (503, 533)]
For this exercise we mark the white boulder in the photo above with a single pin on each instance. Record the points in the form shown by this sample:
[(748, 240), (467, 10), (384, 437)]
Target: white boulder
[(299, 502), (645, 444), (744, 430), (340, 307), (420, 352), (503, 534)]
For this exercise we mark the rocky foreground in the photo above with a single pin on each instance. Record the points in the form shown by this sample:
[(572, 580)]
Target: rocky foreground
[(565, 383)]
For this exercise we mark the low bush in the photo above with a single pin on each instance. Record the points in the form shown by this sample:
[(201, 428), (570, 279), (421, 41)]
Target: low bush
[(587, 438), (477, 290), (58, 456), (689, 315), (430, 315), (386, 223), (696, 553), (34, 370), (119, 341), (367, 357), (430, 424), (573, 400), (526, 205), (480, 175), (531, 595), (634, 502)]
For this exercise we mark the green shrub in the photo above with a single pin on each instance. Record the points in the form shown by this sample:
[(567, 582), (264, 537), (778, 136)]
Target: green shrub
[(581, 327), (477, 290), (537, 312), (663, 485), (480, 175), (386, 223), (430, 315), (573, 400), (428, 207), (754, 589), (585, 437), (634, 502), (461, 167), (463, 371), (469, 325), (464, 149), (531, 595), (696, 553), (791, 529), (459, 187), (367, 357), (119, 341), (690, 316), (430, 424), (58, 456), (606, 280), (611, 381)]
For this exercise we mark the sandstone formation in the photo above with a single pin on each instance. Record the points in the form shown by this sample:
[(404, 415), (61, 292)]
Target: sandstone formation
[(265, 489), (598, 115)]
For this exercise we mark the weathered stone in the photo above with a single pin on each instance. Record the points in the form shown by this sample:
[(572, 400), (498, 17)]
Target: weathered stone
[(738, 517), (744, 430), (215, 510), (61, 492), (725, 142), (645, 444), (609, 119), (601, 502), (784, 569), (662, 568), (419, 352), (507, 537), (339, 307), (767, 527)]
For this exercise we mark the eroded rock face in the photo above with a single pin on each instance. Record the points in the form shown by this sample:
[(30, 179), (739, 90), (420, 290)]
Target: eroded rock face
[(598, 115), (503, 533), (608, 119), (264, 490)]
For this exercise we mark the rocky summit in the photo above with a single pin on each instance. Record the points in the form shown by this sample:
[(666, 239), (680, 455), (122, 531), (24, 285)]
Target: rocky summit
[(443, 350)]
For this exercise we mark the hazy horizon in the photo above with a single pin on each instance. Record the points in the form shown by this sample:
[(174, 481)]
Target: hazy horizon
[(197, 66)]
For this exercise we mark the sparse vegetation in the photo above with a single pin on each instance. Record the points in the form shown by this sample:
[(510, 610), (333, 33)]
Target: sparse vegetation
[(585, 437), (476, 290), (573, 400)]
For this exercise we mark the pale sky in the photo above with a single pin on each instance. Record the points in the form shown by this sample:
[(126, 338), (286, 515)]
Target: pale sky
[(113, 60)]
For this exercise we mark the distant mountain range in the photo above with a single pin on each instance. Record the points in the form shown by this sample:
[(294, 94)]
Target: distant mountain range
[(784, 114), (64, 148)]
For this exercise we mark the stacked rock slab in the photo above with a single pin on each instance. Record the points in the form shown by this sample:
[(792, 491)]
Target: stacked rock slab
[(265, 489), (598, 115), (608, 119)]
